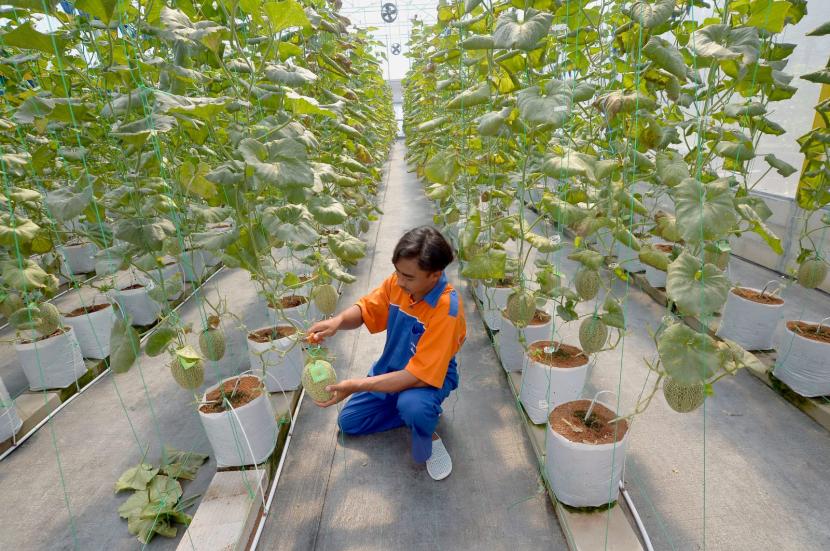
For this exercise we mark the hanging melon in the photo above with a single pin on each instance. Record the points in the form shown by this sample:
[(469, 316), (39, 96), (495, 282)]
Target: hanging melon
[(683, 397)]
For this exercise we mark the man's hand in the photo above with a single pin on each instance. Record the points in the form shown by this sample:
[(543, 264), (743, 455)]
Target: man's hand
[(321, 330), (339, 392)]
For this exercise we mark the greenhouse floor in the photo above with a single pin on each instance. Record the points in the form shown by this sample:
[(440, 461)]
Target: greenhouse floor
[(746, 472)]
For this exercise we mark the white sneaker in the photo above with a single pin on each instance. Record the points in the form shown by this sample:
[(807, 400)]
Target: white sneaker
[(439, 465)]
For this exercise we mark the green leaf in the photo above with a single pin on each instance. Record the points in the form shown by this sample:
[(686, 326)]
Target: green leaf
[(159, 339), (666, 56), (19, 233), (147, 233), (736, 151), (512, 35), (477, 42), (327, 210), (181, 464), (64, 204), (770, 16), (704, 211), (289, 75), (102, 9), (737, 110), (470, 98), (136, 478), (489, 265), (304, 105), (573, 164), (821, 30), (783, 168), (686, 355), (286, 14), (165, 490), (26, 37), (133, 505), (124, 347), (822, 76), (723, 42), (759, 227), (178, 26), (620, 101), (187, 357), (347, 247), (614, 315), (588, 258), (490, 124), (651, 14), (26, 276), (671, 168), (555, 107), (696, 288), (442, 167), (333, 269)]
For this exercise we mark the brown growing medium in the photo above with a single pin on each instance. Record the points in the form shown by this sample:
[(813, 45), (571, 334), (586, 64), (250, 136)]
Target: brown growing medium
[(756, 296), (268, 334), (291, 301), (57, 332), (664, 247), (249, 387), (540, 318), (564, 356), (86, 310), (502, 283), (568, 420), (133, 286), (810, 331)]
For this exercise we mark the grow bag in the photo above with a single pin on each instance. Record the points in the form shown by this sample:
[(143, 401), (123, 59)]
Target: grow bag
[(168, 273), (194, 265), (279, 361), (54, 362), (493, 301), (584, 474), (804, 363), (79, 259), (10, 421), (509, 346), (244, 436), (92, 331), (137, 303), (544, 386), (749, 323)]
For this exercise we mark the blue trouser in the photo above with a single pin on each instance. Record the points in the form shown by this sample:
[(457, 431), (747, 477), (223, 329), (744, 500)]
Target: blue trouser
[(417, 408)]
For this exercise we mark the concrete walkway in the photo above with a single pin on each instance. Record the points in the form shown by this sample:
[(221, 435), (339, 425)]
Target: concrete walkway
[(366, 493)]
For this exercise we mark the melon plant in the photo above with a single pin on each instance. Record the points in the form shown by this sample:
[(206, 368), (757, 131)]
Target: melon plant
[(317, 375)]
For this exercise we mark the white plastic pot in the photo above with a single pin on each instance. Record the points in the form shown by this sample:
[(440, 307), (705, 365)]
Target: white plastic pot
[(748, 323), (279, 362), (298, 316), (107, 266), (92, 330), (493, 301), (584, 475), (803, 364), (137, 303), (79, 259), (55, 362), (167, 274), (194, 265), (245, 436), (544, 387), (10, 421), (509, 341)]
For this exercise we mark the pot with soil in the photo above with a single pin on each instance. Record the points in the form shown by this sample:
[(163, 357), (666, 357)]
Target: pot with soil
[(171, 276), (656, 277), (51, 361), (293, 309), (585, 458), (275, 354), (79, 258), (511, 340), (803, 354), (10, 421), (135, 301), (92, 326), (555, 373), (493, 297), (750, 318), (194, 265), (239, 421)]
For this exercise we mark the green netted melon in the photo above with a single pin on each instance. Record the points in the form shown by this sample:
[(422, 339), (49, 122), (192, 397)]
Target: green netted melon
[(11, 304), (49, 318), (592, 335), (521, 307), (587, 283), (317, 375), (811, 273), (683, 397), (190, 378), (212, 344), (325, 299)]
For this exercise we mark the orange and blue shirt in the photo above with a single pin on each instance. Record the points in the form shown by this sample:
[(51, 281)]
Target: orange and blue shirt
[(422, 336)]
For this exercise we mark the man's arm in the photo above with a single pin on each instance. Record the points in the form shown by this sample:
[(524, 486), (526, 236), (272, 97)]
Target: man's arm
[(395, 381), (350, 318)]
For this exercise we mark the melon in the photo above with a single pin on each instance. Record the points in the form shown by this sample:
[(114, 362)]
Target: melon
[(317, 375), (812, 272), (49, 318), (325, 299), (587, 283), (521, 307), (189, 378), (212, 344), (11, 304), (683, 397), (592, 334)]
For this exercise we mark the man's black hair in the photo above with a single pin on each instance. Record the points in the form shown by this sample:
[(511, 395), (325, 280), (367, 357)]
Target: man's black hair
[(427, 245)]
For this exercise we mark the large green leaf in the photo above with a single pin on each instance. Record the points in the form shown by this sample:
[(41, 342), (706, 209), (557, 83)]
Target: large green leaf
[(666, 56), (102, 9), (281, 162), (25, 37), (442, 167), (347, 247), (759, 227), (19, 233), (671, 168), (132, 507), (723, 42), (147, 233), (26, 276), (478, 42), (704, 212), (696, 288), (686, 355), (572, 164), (651, 13), (289, 75), (781, 167), (488, 265), (164, 489), (176, 25), (736, 151), (124, 346), (64, 204), (510, 34), (286, 14), (327, 210), (181, 464), (490, 124), (470, 98), (555, 106), (620, 101)]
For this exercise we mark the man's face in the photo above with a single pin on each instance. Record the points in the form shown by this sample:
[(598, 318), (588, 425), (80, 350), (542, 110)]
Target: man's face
[(414, 280)]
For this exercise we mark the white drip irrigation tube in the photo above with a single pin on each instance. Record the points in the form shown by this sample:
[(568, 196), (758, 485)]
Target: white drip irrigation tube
[(637, 520), (273, 490), (99, 377)]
